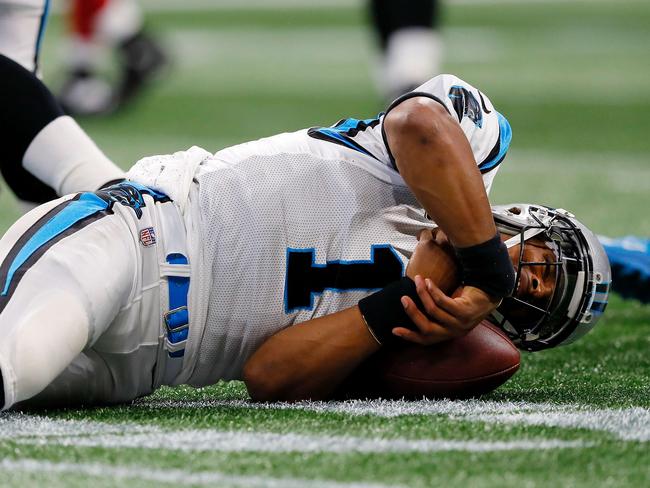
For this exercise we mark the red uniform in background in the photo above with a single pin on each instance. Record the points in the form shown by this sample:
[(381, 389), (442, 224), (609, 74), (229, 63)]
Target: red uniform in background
[(83, 16), (98, 27)]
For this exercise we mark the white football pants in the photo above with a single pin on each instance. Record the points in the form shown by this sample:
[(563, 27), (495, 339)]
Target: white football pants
[(80, 303)]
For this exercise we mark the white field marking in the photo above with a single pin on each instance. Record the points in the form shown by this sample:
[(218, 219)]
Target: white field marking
[(582, 161), (623, 173), (35, 430), (177, 5), (20, 426), (175, 476), (630, 424), (208, 55)]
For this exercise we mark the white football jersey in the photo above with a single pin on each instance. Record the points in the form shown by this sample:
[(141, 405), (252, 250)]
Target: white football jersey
[(299, 225)]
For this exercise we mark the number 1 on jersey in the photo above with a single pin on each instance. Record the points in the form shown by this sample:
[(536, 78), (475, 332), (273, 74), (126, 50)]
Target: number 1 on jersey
[(305, 277)]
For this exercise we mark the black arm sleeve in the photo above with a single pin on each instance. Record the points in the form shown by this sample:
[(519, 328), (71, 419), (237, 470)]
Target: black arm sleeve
[(26, 107)]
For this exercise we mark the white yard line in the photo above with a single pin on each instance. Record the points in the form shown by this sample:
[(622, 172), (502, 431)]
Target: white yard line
[(631, 424), (21, 426), (43, 431), (212, 5), (178, 5), (237, 441), (228, 60), (171, 476)]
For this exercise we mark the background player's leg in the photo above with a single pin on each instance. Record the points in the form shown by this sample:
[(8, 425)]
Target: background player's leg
[(629, 257), (98, 26), (409, 41), (25, 109), (47, 153), (2, 391), (84, 92), (22, 25)]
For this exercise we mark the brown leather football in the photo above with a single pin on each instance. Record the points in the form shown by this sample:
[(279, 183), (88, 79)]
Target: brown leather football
[(465, 367)]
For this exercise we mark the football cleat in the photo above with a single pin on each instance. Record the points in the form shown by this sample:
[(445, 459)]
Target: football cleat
[(84, 93), (582, 277), (142, 60)]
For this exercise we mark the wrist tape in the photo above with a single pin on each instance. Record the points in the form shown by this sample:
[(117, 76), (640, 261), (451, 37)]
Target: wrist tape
[(383, 310), (488, 266)]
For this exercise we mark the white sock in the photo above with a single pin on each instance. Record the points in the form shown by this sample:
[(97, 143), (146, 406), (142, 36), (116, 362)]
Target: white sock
[(412, 57), (82, 53), (119, 20), (65, 158)]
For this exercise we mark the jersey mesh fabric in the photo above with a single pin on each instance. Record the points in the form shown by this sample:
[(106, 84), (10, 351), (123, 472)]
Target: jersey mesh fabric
[(258, 199), (252, 212)]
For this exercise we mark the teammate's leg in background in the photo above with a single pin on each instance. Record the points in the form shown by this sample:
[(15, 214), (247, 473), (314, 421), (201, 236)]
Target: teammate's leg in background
[(629, 257), (409, 41), (47, 153), (22, 26), (2, 392), (98, 27)]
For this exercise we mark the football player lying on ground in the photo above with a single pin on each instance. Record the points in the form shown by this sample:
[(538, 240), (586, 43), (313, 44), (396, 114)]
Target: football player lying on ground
[(328, 189), (49, 155), (97, 286), (50, 317), (439, 141), (291, 214)]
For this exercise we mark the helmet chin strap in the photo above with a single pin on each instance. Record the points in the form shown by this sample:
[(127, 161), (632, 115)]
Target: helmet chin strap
[(528, 234)]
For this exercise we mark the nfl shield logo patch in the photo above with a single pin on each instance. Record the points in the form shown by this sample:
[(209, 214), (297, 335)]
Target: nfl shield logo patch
[(148, 237)]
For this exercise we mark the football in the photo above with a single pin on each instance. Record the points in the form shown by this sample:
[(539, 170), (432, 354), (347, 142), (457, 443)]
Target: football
[(466, 367)]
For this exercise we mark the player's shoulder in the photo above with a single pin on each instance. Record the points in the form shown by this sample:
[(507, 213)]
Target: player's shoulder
[(459, 98), (487, 130)]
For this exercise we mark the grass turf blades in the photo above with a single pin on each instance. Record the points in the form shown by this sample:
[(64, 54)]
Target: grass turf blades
[(569, 79)]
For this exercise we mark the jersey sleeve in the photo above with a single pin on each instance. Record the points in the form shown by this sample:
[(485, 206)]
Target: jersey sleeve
[(487, 131)]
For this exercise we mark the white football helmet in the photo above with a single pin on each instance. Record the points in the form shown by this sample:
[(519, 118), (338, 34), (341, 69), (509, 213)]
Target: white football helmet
[(582, 277)]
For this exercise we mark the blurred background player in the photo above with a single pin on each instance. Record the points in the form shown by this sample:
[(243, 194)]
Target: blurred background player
[(99, 28), (408, 38), (410, 44), (22, 27)]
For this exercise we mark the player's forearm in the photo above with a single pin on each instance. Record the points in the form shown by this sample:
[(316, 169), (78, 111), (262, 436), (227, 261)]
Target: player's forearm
[(437, 163), (309, 360)]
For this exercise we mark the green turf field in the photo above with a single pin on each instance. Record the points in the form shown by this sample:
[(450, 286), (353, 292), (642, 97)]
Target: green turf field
[(572, 77)]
